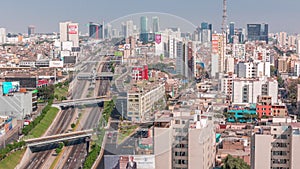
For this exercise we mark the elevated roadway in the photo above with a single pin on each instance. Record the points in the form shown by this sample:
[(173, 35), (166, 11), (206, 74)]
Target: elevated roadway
[(58, 138)]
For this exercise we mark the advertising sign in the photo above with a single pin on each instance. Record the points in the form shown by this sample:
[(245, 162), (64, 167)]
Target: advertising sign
[(126, 46), (158, 38), (10, 87), (73, 28), (56, 64), (64, 53), (118, 53), (129, 161)]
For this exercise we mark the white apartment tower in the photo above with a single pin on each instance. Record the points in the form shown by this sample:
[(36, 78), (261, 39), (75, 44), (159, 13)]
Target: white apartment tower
[(69, 32)]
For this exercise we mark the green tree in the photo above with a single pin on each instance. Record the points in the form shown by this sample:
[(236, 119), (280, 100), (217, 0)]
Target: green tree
[(280, 81), (234, 163), (161, 57), (73, 125), (58, 150), (273, 70)]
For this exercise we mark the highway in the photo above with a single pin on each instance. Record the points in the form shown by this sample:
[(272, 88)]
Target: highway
[(77, 154), (59, 126), (38, 159)]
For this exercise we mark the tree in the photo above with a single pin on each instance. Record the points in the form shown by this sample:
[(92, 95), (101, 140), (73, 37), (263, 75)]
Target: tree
[(161, 57), (280, 81), (58, 150), (73, 125), (234, 163), (273, 70)]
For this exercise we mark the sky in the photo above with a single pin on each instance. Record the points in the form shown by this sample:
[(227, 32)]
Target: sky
[(16, 15)]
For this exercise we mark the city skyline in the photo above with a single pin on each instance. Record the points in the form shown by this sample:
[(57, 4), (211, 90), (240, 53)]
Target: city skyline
[(196, 12)]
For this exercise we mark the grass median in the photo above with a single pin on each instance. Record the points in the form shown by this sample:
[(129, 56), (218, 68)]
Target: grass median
[(12, 160), (125, 131), (42, 127)]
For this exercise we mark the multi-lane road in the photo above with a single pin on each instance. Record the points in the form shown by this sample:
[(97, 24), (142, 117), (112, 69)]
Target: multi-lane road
[(78, 153)]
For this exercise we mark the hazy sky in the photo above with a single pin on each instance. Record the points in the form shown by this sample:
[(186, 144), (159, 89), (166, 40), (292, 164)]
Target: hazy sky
[(16, 15)]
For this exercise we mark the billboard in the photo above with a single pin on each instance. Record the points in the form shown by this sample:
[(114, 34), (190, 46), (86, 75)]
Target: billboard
[(158, 38), (118, 53), (10, 87), (25, 82), (64, 53), (73, 28), (56, 64), (129, 161)]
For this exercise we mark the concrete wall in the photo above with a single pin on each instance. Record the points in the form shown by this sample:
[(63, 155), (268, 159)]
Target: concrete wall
[(163, 148), (15, 104), (261, 152)]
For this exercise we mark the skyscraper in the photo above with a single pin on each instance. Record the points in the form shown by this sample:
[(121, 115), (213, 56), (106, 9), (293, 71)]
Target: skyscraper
[(144, 24), (204, 25), (264, 32), (155, 26), (258, 32), (95, 30), (205, 32), (231, 32), (31, 30)]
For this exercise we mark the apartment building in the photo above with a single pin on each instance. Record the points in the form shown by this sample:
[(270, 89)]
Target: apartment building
[(248, 90), (276, 147), (184, 141), (141, 100), (253, 69)]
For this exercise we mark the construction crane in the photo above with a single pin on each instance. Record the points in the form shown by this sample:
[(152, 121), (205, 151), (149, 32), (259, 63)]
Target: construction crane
[(224, 16)]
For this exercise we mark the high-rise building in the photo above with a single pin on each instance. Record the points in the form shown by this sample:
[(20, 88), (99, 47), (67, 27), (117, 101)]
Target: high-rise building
[(204, 25), (180, 58), (69, 33), (205, 32), (2, 35), (31, 30), (282, 38), (109, 32), (95, 30), (217, 57), (291, 40), (155, 24), (276, 146), (248, 90), (264, 34), (144, 24), (258, 32), (129, 28), (231, 32)]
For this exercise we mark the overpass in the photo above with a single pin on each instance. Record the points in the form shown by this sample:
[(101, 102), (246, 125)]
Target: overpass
[(91, 76), (47, 140), (85, 101)]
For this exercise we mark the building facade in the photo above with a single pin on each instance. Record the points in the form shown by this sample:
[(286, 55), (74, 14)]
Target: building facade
[(276, 147)]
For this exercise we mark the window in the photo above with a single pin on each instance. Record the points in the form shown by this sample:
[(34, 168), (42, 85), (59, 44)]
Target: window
[(177, 121)]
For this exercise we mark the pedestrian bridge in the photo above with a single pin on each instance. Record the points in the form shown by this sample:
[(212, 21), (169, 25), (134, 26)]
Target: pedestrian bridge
[(85, 101), (91, 76), (48, 140)]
